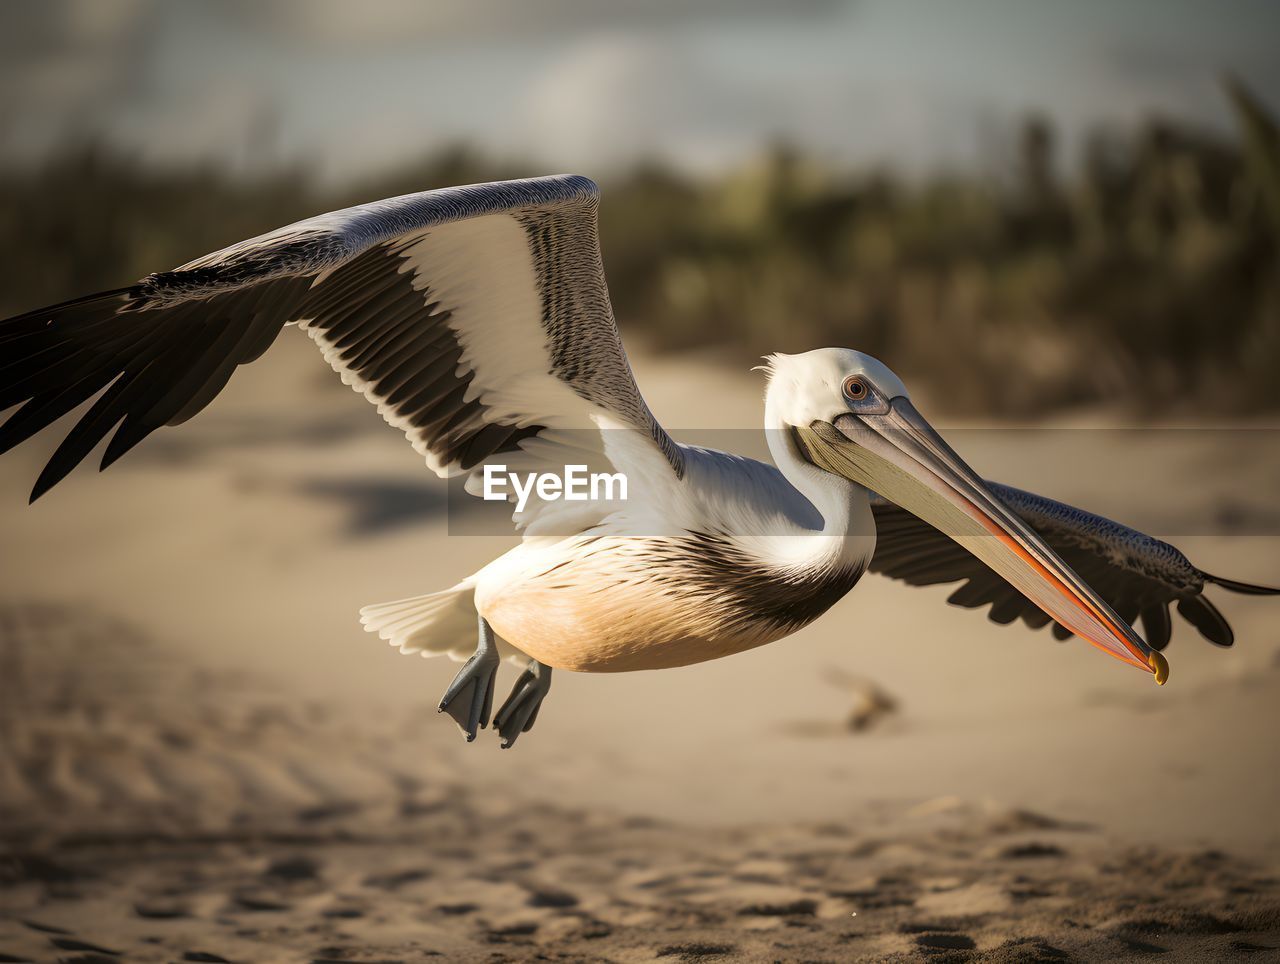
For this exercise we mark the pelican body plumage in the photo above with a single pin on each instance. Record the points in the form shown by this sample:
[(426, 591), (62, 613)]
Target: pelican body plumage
[(478, 322)]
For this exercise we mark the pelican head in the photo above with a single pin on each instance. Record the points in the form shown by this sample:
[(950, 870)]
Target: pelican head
[(850, 416)]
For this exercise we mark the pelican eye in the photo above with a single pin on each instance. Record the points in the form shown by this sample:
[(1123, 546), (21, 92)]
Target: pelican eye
[(854, 388)]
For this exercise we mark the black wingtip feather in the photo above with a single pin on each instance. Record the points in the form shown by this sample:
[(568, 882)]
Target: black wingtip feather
[(1156, 625), (155, 366), (1248, 589), (44, 483), (19, 325), (1205, 617)]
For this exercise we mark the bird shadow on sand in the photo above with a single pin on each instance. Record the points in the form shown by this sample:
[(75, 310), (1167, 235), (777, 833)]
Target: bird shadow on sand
[(209, 438), (375, 506)]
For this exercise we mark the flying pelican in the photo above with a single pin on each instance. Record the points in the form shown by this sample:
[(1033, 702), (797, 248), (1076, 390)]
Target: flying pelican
[(477, 320)]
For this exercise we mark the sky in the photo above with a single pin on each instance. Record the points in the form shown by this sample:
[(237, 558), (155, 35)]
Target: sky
[(351, 88)]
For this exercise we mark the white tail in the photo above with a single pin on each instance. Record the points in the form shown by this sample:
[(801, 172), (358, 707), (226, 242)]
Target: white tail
[(433, 625)]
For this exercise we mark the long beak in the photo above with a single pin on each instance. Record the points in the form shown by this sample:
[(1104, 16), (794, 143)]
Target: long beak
[(900, 456)]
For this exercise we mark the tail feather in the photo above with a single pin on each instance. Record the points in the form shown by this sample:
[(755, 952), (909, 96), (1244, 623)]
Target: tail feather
[(434, 624)]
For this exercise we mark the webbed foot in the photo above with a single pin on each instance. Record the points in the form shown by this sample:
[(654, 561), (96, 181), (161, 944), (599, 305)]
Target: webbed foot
[(518, 714), (469, 698)]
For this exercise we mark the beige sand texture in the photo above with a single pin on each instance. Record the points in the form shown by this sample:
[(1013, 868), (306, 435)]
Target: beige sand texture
[(203, 758)]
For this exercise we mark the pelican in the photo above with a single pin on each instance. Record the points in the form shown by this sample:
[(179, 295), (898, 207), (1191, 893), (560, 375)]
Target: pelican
[(477, 320)]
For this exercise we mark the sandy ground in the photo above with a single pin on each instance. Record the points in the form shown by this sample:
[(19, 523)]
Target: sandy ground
[(203, 755)]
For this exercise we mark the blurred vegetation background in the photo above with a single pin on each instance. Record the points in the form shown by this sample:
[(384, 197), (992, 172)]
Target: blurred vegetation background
[(1146, 277)]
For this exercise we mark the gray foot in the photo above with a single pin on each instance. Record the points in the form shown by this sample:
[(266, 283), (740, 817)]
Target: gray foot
[(520, 711), (469, 698)]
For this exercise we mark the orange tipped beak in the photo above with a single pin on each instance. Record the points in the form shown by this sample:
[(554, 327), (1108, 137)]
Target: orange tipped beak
[(900, 456)]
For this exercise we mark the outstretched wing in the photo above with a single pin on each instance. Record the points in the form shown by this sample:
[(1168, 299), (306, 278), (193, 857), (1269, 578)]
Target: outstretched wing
[(474, 318), (1137, 575)]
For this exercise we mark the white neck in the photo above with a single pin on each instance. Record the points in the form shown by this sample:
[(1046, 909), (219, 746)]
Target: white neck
[(848, 528)]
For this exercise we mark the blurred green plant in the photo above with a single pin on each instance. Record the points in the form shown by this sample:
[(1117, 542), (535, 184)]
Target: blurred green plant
[(1148, 277)]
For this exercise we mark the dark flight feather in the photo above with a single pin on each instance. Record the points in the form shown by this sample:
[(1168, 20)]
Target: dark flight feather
[(1139, 576), (159, 351)]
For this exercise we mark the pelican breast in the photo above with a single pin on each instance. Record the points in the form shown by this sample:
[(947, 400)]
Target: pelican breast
[(607, 605)]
